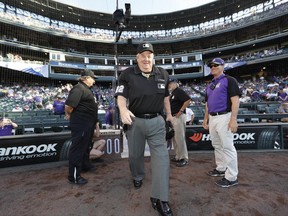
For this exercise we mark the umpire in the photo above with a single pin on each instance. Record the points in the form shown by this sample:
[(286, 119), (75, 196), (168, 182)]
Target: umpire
[(82, 111), (142, 94)]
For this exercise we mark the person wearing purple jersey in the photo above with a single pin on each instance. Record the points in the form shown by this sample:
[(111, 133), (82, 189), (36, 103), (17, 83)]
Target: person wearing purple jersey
[(6, 127), (221, 110), (59, 106)]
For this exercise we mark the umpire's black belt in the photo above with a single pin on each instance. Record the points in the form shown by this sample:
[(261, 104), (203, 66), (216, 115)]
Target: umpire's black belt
[(147, 116), (217, 113)]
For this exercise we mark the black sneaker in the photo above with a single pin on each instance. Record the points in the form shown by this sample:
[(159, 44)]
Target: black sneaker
[(225, 183), (79, 180), (154, 202), (216, 173), (182, 163), (137, 183), (163, 208)]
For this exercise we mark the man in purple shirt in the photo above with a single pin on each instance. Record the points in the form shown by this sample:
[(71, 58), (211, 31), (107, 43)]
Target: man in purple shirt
[(222, 104)]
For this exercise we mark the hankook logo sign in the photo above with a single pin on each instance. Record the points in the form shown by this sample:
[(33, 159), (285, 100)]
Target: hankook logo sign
[(239, 138), (28, 152)]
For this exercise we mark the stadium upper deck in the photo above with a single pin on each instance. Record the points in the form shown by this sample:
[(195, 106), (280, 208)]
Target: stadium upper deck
[(46, 31)]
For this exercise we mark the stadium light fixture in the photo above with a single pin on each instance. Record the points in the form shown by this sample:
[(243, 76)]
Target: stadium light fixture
[(122, 20)]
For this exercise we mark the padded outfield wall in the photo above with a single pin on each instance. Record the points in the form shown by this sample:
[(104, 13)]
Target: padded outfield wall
[(51, 147)]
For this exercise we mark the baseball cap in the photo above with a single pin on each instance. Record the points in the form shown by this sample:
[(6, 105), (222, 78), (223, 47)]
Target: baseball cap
[(173, 80), (145, 47), (88, 73), (217, 61)]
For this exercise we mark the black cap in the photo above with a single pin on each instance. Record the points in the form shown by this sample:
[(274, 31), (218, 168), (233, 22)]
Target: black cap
[(173, 80), (145, 47), (88, 73)]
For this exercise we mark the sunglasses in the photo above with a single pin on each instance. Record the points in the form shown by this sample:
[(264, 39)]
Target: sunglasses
[(211, 66)]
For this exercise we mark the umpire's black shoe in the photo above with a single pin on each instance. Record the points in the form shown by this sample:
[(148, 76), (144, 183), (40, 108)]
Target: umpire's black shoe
[(79, 180), (137, 183), (162, 207), (182, 163), (153, 202)]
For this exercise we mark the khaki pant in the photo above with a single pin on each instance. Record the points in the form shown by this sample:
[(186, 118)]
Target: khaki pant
[(179, 139)]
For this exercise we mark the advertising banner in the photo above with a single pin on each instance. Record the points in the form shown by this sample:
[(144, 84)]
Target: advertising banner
[(250, 137), (31, 149), (48, 147), (31, 68), (42, 148)]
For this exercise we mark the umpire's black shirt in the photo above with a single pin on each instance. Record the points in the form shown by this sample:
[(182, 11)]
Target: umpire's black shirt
[(177, 98), (145, 95), (83, 101)]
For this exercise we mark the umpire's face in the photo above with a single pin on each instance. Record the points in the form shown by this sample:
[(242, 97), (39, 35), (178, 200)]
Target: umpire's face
[(89, 81), (145, 61)]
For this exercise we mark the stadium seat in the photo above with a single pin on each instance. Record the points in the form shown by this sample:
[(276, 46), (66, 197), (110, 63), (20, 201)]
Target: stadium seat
[(251, 118), (261, 107)]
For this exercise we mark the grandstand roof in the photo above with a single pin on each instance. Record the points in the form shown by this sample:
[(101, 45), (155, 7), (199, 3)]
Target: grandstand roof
[(151, 22), (147, 7)]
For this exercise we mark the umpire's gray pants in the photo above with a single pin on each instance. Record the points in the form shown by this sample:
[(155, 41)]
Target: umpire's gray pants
[(153, 131)]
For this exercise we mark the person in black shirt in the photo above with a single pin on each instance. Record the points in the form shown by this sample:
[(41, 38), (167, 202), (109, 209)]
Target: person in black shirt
[(142, 94), (82, 111), (179, 100)]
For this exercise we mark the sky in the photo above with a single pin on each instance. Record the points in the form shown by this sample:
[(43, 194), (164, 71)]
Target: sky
[(138, 7)]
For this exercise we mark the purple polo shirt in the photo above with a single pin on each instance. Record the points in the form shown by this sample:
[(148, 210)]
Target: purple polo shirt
[(218, 99), (6, 130)]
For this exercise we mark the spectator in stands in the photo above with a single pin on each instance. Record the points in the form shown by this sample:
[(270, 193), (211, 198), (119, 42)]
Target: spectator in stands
[(245, 99), (49, 106), (98, 145), (38, 100), (17, 108), (59, 105), (26, 107), (283, 109), (271, 95), (222, 104), (189, 116), (282, 95), (109, 117), (6, 126)]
